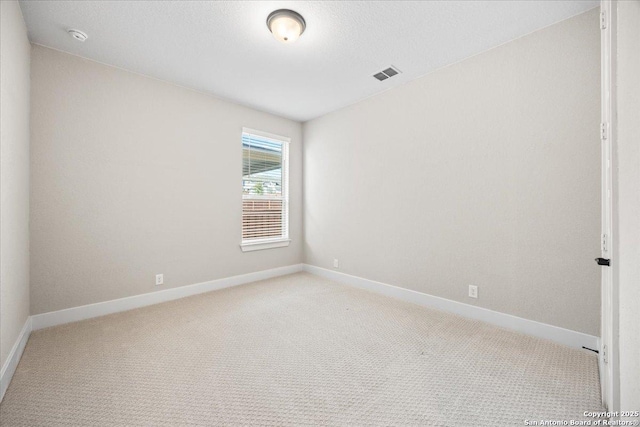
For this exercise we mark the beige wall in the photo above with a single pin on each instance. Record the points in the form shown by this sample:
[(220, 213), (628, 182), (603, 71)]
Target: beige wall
[(131, 177), (627, 177), (14, 176), (485, 172)]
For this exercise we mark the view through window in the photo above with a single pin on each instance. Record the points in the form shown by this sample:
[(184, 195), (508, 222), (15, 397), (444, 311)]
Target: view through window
[(264, 189)]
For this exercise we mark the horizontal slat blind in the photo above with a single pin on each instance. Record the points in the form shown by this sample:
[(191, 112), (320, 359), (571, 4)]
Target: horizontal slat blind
[(264, 192)]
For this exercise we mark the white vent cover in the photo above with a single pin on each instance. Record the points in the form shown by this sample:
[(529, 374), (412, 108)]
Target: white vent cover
[(385, 74)]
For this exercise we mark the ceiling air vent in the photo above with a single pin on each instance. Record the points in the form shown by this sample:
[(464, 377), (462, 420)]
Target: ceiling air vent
[(385, 74)]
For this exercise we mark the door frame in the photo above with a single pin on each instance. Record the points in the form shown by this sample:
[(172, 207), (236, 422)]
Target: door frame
[(608, 356)]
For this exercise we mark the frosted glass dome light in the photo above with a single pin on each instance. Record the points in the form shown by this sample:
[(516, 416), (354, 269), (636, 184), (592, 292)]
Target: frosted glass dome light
[(286, 25)]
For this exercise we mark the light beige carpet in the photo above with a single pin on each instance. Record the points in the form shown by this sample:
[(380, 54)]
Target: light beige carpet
[(296, 350)]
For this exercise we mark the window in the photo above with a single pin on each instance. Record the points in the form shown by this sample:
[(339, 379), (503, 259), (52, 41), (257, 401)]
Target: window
[(265, 190)]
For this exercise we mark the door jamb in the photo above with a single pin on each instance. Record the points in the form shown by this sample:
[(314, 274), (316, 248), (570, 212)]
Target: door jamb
[(608, 356)]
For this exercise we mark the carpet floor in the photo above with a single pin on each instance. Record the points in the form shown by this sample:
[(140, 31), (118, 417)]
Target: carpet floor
[(294, 350)]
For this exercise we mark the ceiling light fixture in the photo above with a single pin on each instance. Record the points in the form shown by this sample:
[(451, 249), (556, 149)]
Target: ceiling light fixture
[(77, 34), (286, 25)]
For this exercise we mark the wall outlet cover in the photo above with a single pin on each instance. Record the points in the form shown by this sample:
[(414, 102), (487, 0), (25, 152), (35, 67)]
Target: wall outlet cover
[(473, 291)]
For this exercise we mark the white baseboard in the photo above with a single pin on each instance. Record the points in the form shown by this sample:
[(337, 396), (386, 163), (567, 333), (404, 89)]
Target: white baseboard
[(519, 324), (75, 314), (10, 365)]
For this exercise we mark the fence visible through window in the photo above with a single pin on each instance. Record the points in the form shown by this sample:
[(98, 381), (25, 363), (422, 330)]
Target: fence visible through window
[(261, 219)]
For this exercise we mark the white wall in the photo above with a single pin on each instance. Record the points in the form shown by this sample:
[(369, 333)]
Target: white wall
[(132, 176), (14, 175), (627, 177), (485, 172)]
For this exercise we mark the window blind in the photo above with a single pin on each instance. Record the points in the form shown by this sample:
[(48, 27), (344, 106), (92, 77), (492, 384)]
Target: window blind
[(265, 215)]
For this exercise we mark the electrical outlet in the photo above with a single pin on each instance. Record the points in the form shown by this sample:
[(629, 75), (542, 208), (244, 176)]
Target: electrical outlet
[(473, 291), (159, 279), (336, 263)]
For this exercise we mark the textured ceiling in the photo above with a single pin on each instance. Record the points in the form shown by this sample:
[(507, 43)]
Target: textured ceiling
[(224, 48)]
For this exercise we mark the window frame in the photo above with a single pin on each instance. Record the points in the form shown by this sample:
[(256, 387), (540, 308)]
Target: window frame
[(249, 245)]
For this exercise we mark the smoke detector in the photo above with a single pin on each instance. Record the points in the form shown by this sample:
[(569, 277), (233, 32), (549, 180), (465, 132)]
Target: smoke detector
[(77, 34)]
